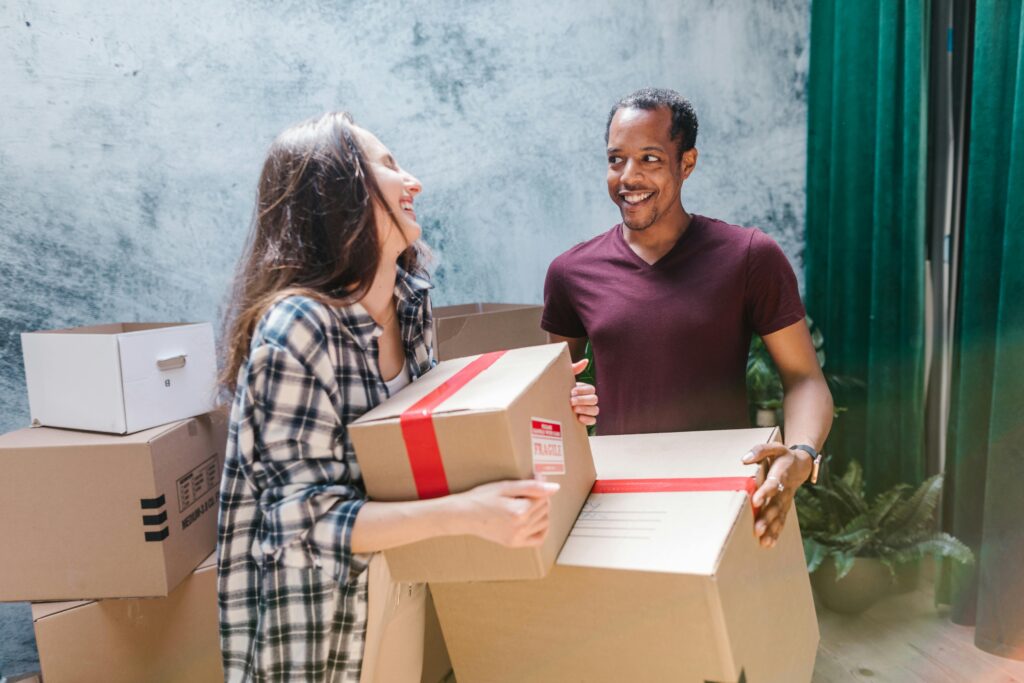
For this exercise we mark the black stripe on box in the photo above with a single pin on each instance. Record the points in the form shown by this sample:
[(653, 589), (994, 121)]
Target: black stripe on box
[(154, 520), (157, 535), (152, 503)]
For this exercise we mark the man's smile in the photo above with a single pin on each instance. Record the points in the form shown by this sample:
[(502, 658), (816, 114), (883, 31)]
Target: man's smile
[(634, 198)]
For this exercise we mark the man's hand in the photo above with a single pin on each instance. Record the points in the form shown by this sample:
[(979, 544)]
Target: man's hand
[(787, 470), (583, 397)]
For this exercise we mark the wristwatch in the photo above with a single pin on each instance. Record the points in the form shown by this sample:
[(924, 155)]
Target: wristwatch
[(815, 459)]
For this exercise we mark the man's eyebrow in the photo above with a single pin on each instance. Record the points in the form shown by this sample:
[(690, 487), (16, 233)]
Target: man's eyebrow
[(649, 148)]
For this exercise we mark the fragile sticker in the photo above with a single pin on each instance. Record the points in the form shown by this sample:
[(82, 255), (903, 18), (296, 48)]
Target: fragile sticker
[(547, 446)]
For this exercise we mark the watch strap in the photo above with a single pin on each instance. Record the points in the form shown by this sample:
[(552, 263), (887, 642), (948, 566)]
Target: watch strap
[(815, 459)]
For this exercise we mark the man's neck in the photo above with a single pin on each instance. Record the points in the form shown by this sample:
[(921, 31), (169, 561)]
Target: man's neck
[(657, 240)]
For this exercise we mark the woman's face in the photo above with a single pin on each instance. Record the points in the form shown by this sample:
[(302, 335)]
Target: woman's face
[(399, 188)]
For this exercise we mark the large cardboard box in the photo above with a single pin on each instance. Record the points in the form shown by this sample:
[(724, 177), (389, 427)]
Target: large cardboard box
[(171, 640), (101, 516), (467, 422), (653, 585), (437, 665), (469, 329), (120, 378)]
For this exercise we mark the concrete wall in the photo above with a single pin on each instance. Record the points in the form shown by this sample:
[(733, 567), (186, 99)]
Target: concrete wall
[(132, 135)]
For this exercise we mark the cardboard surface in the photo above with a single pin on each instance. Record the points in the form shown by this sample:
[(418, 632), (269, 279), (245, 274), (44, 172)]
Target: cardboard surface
[(171, 640), (120, 378), (470, 329), (436, 663), (712, 606), (487, 431), (100, 516)]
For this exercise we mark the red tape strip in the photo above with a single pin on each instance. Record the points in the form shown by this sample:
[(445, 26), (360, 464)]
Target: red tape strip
[(418, 429), (747, 484)]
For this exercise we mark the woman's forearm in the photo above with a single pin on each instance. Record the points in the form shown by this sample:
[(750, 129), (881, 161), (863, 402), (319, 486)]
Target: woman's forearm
[(380, 526)]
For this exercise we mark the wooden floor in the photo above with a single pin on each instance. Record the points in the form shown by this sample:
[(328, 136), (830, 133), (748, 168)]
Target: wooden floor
[(905, 639)]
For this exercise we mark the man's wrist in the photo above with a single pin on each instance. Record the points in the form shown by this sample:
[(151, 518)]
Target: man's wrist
[(810, 455)]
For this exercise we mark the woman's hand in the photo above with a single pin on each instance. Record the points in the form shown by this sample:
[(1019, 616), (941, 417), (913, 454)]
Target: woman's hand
[(583, 397), (512, 513), (789, 469)]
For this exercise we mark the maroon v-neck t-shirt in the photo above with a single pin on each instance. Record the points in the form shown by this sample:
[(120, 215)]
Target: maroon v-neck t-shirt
[(670, 340)]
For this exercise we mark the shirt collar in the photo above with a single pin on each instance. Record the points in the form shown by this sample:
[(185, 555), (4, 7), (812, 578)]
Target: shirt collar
[(410, 290)]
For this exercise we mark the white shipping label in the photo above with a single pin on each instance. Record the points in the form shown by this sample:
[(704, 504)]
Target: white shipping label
[(547, 446)]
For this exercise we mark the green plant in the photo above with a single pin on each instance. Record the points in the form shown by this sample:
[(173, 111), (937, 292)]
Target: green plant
[(764, 387), (897, 527)]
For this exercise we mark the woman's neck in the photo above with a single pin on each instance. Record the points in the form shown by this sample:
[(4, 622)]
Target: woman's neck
[(379, 300)]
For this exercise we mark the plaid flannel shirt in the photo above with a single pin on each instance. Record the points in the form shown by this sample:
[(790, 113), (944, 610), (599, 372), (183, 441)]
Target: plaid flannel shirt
[(292, 595)]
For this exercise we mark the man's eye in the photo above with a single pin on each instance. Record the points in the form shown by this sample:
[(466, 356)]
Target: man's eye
[(614, 160), (651, 158)]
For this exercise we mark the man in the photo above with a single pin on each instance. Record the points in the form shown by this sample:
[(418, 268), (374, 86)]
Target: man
[(669, 302)]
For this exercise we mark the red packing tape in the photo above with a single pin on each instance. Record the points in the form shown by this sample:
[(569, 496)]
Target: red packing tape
[(748, 484), (418, 429)]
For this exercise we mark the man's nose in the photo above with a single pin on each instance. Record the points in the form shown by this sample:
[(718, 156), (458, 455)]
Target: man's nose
[(630, 172)]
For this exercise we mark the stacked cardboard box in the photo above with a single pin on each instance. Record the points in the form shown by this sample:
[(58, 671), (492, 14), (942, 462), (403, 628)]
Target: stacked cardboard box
[(113, 494), (471, 329)]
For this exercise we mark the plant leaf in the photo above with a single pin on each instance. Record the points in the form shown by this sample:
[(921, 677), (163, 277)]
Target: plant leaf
[(918, 512), (854, 477), (844, 563), (814, 554)]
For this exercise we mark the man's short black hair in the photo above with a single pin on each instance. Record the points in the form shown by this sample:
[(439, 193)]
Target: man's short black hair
[(684, 118)]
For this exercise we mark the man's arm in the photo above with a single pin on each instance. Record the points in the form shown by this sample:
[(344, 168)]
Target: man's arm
[(807, 413), (577, 345), (807, 403)]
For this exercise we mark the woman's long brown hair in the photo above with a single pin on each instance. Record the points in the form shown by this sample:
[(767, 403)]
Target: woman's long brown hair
[(313, 231)]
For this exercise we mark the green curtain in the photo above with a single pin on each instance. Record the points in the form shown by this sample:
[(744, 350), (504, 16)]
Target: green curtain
[(985, 460), (865, 244)]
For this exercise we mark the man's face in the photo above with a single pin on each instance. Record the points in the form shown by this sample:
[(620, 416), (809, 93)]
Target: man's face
[(645, 173)]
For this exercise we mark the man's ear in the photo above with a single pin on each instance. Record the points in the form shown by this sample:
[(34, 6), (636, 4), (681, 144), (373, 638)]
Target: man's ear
[(688, 162)]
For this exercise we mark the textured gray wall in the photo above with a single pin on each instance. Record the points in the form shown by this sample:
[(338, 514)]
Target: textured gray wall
[(132, 135)]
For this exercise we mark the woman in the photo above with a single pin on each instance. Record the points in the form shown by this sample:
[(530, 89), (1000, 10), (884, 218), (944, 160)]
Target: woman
[(330, 316)]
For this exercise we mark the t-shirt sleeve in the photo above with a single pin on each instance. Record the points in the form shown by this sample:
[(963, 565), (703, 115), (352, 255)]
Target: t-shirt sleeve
[(560, 316), (772, 295)]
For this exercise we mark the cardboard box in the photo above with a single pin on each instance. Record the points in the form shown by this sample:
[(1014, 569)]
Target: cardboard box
[(436, 663), (101, 516), (650, 586), (469, 329), (470, 421), (120, 378), (171, 640)]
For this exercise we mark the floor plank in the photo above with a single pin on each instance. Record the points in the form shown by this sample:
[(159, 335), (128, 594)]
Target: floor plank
[(905, 639)]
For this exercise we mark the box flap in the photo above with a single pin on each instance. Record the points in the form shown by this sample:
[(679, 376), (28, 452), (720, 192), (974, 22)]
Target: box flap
[(210, 561), (41, 610), (53, 437), (113, 328), (493, 389), (646, 531)]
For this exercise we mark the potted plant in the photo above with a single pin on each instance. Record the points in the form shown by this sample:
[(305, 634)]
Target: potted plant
[(868, 541)]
